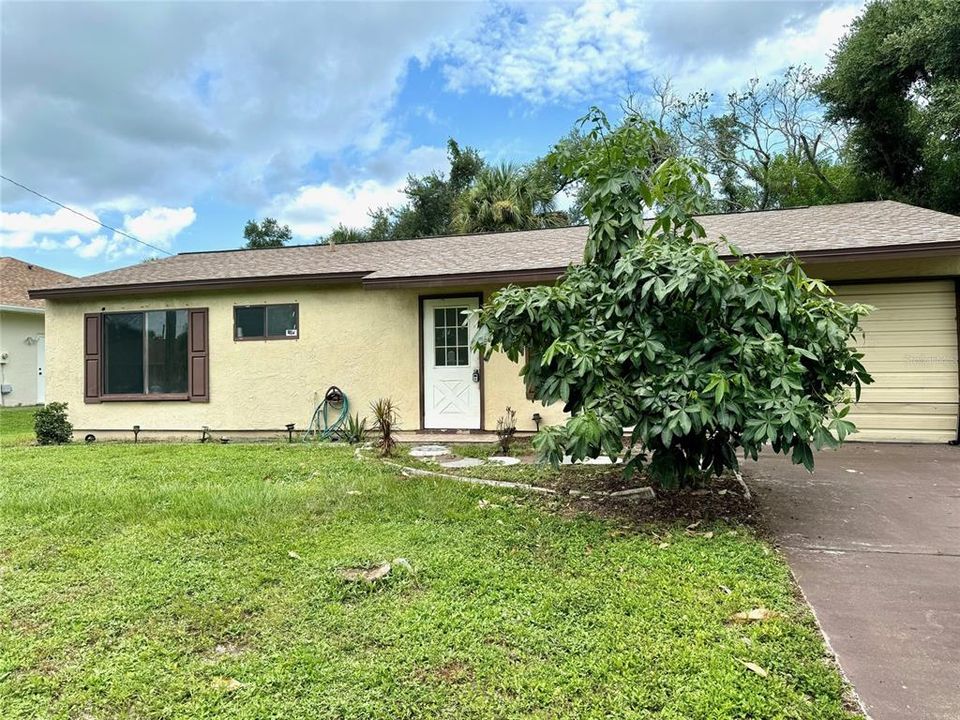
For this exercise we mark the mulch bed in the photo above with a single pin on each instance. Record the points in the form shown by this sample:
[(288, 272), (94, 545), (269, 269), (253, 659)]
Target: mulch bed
[(720, 499)]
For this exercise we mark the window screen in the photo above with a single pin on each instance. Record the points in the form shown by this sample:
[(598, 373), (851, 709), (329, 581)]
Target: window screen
[(123, 353), (145, 352), (266, 322), (167, 351)]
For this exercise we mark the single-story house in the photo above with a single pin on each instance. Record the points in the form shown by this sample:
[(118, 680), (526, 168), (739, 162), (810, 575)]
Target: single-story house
[(248, 340), (22, 343)]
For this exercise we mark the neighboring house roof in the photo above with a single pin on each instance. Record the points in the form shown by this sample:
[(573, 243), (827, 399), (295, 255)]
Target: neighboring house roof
[(873, 229), (17, 277)]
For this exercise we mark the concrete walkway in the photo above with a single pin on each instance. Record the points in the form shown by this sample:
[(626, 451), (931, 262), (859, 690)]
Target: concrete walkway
[(873, 538)]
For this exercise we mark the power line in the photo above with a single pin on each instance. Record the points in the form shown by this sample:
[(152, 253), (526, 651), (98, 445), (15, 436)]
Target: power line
[(86, 217)]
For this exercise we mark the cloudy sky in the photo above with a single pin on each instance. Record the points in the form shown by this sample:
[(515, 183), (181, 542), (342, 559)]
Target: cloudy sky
[(178, 121)]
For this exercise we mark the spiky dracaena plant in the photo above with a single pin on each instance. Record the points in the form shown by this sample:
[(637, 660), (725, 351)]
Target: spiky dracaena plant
[(386, 418)]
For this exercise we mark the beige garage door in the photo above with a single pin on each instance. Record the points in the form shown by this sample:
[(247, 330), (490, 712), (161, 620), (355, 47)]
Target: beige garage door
[(910, 349)]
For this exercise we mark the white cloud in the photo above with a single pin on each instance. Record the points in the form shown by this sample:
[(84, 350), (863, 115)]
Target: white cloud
[(604, 48), (64, 230), (96, 247), (802, 43), (561, 53), (21, 229), (232, 99), (315, 209), (159, 225)]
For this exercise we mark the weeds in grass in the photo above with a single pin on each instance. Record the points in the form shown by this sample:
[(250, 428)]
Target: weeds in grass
[(124, 567)]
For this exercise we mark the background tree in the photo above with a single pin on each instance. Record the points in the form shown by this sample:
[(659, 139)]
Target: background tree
[(342, 235), (266, 234), (655, 331), (768, 145), (506, 197), (430, 203), (895, 78)]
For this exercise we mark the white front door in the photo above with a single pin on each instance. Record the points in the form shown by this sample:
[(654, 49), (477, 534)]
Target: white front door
[(41, 359), (451, 368)]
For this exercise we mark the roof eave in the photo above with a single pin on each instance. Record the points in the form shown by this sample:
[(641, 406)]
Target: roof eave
[(22, 309), (465, 279), (885, 252), (191, 285), (528, 275)]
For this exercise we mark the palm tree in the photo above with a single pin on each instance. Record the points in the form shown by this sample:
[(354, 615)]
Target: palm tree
[(505, 197)]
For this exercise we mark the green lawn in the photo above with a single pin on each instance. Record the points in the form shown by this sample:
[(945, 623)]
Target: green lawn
[(200, 581), (16, 425)]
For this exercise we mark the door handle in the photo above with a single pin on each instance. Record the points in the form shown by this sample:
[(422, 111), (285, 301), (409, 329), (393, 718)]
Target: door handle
[(476, 375)]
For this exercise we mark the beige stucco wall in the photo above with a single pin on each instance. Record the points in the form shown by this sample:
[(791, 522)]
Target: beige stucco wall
[(364, 341), (17, 333)]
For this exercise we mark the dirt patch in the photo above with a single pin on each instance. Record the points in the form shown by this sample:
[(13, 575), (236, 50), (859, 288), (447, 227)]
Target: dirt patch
[(719, 499), (454, 672)]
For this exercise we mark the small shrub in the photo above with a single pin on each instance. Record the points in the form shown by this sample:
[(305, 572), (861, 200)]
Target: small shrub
[(51, 425), (386, 418), (506, 429), (355, 430)]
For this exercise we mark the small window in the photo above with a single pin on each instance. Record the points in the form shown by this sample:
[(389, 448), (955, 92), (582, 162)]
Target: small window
[(451, 337), (266, 322)]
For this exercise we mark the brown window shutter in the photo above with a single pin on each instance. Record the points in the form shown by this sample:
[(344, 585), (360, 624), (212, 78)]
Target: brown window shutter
[(91, 358), (199, 356)]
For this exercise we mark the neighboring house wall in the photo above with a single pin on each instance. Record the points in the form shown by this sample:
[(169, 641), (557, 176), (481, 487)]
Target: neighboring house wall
[(18, 333), (364, 341)]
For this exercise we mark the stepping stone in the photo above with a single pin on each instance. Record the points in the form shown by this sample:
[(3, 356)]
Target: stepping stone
[(462, 463), (503, 460), (602, 460), (429, 451), (637, 493)]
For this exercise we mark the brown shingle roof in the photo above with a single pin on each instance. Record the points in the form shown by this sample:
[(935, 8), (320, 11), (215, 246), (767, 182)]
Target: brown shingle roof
[(17, 277), (848, 229)]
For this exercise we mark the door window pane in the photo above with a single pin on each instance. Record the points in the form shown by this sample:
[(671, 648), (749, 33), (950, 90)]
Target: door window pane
[(167, 351), (280, 319), (249, 322), (123, 353), (451, 337)]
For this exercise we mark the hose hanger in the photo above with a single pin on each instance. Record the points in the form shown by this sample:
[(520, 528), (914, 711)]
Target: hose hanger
[(321, 427)]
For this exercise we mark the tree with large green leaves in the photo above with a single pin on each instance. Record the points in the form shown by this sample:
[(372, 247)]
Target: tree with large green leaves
[(895, 77), (267, 233), (656, 332)]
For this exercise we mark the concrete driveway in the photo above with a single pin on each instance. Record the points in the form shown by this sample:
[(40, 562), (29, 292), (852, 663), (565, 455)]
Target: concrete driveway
[(873, 537)]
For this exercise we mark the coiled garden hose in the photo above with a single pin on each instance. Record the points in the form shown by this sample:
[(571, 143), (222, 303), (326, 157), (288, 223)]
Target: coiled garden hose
[(320, 427)]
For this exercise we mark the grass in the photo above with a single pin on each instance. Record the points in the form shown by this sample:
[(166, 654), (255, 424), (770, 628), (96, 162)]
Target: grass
[(200, 581), (16, 425)]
